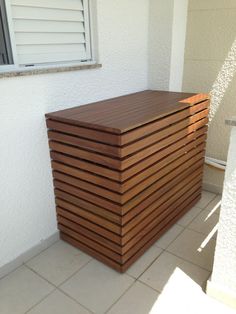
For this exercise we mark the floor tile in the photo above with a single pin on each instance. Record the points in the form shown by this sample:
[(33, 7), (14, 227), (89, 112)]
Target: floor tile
[(58, 303), (206, 222), (97, 286), (194, 247), (215, 205), (58, 262), (158, 274), (169, 236), (205, 199), (189, 216), (144, 262), (139, 299), (20, 290)]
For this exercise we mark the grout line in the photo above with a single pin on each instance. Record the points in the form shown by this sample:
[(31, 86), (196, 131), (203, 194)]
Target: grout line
[(188, 261), (45, 297), (121, 296), (147, 285), (149, 265), (76, 301), (58, 287), (174, 238), (24, 263)]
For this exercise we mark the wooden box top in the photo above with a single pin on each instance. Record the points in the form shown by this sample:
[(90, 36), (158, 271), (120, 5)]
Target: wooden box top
[(124, 113)]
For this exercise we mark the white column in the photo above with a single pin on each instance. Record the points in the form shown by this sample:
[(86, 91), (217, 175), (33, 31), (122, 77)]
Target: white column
[(222, 284)]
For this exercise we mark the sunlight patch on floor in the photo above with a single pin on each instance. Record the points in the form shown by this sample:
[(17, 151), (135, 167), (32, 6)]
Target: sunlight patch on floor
[(182, 295)]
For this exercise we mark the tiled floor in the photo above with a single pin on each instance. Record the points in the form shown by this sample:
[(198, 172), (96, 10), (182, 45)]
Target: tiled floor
[(63, 280)]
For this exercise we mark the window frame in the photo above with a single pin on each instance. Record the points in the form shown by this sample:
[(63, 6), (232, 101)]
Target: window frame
[(89, 38)]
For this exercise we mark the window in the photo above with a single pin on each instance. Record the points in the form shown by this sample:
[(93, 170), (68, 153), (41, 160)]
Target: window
[(5, 47), (45, 32)]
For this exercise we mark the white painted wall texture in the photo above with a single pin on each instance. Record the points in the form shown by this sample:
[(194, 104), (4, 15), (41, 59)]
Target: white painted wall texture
[(211, 34), (27, 213), (223, 280)]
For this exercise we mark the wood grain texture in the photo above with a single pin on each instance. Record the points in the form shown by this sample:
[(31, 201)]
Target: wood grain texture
[(126, 169)]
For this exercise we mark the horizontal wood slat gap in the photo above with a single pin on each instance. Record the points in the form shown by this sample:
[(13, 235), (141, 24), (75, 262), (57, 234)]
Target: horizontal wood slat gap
[(88, 206), (154, 231), (190, 179), (129, 149), (146, 193), (83, 247), (85, 165), (149, 161), (89, 216), (113, 207), (149, 110), (86, 155), (157, 194), (89, 234), (163, 169), (154, 218), (146, 172), (130, 136), (91, 225)]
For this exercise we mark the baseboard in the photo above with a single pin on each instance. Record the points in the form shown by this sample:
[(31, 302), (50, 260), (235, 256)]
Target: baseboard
[(24, 257), (212, 188), (221, 294)]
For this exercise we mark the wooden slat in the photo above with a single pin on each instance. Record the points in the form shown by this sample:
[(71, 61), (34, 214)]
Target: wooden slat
[(92, 188), (125, 266), (129, 161), (87, 155), (161, 123), (89, 216), (134, 135), (85, 165), (192, 123), (106, 163), (152, 233), (139, 220), (78, 220), (121, 114), (161, 173), (90, 243), (136, 198), (96, 237), (83, 247), (154, 187), (162, 190), (156, 234), (159, 213), (86, 176), (170, 153), (122, 199), (86, 205), (160, 162), (160, 135)]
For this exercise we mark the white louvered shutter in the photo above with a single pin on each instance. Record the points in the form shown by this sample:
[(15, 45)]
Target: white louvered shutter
[(51, 31)]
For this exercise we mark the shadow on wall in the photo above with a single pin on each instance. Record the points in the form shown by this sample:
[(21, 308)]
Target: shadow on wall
[(223, 81)]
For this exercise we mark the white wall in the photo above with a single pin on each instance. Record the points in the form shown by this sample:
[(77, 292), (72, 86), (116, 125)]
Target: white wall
[(210, 66), (178, 44), (167, 31), (160, 42), (222, 285), (27, 212)]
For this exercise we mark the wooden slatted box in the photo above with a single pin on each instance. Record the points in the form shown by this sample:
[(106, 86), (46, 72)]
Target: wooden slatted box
[(126, 169)]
